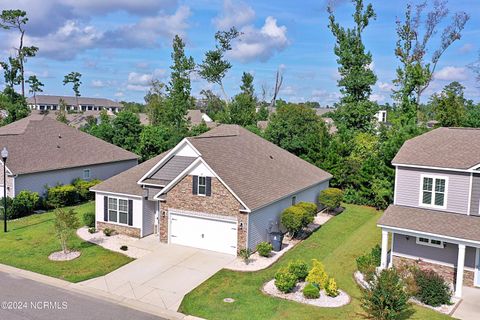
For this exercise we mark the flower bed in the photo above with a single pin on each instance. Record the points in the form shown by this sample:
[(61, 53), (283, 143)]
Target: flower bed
[(297, 295)]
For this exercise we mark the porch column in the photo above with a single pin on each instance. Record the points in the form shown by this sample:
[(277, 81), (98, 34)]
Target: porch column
[(383, 261), (460, 265)]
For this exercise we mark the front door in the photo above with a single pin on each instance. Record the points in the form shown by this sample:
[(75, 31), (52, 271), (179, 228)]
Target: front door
[(477, 268)]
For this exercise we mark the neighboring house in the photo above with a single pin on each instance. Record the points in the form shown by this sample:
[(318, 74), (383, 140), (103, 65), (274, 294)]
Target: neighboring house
[(381, 116), (435, 217), (194, 116), (45, 152), (75, 119), (46, 102), (223, 191), (322, 111)]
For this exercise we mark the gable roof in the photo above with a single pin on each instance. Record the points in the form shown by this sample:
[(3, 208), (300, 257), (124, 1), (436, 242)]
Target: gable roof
[(257, 171), (71, 101), (38, 143), (455, 148)]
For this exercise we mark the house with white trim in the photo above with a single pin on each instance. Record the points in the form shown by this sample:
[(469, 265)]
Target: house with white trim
[(434, 221), (222, 191)]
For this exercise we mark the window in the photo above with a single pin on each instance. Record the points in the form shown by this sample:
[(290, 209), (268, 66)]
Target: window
[(86, 174), (430, 242), (433, 191), (202, 186), (294, 200), (118, 210)]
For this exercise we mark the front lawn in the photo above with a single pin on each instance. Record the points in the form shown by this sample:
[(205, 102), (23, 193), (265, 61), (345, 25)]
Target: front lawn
[(30, 240), (336, 244)]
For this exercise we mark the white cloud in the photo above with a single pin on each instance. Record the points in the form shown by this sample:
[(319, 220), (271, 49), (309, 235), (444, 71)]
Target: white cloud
[(324, 97), (375, 97), (260, 44), (385, 86), (97, 7), (119, 94), (98, 84), (141, 81), (235, 14), (288, 91), (466, 48), (451, 73)]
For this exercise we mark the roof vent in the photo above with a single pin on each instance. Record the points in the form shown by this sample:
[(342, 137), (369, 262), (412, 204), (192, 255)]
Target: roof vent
[(59, 136), (271, 157), (58, 146)]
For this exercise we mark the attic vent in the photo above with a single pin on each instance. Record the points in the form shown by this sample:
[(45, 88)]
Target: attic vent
[(58, 146), (59, 136), (271, 157)]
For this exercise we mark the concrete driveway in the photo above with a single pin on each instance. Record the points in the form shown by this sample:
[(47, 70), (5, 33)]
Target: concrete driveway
[(162, 277), (469, 308)]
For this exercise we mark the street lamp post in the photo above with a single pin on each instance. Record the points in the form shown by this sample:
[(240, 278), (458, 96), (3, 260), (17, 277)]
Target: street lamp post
[(4, 155)]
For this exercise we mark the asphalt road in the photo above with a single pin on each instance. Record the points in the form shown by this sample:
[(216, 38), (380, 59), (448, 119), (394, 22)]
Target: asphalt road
[(24, 299)]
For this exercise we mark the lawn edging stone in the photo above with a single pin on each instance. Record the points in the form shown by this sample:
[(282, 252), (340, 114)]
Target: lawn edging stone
[(324, 301)]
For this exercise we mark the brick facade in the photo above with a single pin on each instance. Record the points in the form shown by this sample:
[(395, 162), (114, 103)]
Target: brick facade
[(126, 230), (446, 272), (221, 202)]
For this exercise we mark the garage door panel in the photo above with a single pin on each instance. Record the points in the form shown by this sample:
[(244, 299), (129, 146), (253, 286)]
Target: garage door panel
[(203, 233)]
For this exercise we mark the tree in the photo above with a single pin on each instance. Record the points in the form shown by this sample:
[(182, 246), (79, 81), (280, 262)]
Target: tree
[(11, 74), (262, 114), (74, 79), (65, 224), (155, 140), (17, 19), (155, 101), (450, 105), (103, 130), (179, 87), (215, 66), (415, 73), (126, 129), (300, 131), (355, 109), (213, 104), (62, 112), (35, 86), (243, 107)]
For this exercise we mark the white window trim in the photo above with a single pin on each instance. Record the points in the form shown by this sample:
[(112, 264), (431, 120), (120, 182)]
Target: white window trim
[(198, 186), (429, 243), (89, 174), (420, 194), (118, 211)]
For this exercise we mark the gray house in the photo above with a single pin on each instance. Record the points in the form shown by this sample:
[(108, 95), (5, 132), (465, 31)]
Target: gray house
[(44, 152), (47, 102), (222, 191), (435, 218)]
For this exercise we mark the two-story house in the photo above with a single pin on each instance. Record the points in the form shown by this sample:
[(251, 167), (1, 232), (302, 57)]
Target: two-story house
[(435, 218)]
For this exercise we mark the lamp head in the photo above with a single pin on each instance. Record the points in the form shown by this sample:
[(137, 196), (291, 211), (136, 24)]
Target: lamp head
[(4, 154)]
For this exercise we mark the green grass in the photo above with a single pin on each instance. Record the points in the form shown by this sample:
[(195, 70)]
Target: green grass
[(30, 240), (336, 244)]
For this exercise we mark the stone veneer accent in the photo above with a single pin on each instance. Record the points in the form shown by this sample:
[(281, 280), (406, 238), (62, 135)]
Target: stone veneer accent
[(126, 230), (221, 202), (446, 272)]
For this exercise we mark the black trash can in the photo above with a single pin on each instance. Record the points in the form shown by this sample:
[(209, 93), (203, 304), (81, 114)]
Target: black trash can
[(276, 238)]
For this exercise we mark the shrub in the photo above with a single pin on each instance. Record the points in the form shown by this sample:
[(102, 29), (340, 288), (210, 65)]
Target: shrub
[(108, 232), (317, 274), (83, 188), (331, 198), (368, 263), (299, 268), (9, 207), (432, 288), (89, 219), (124, 248), (92, 230), (386, 298), (285, 281), (264, 248), (311, 292), (310, 207), (294, 219), (24, 204), (331, 288), (61, 196), (245, 255)]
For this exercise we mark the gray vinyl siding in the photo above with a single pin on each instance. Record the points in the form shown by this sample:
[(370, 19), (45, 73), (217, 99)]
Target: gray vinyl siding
[(407, 188), (173, 168), (148, 217), (446, 255), (475, 199), (262, 220), (36, 182)]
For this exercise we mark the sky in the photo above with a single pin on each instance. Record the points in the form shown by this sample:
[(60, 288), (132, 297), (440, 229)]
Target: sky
[(119, 46)]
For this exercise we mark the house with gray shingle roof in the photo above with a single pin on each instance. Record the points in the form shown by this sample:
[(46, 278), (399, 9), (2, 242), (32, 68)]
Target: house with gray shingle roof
[(51, 102), (44, 152), (434, 221), (222, 191)]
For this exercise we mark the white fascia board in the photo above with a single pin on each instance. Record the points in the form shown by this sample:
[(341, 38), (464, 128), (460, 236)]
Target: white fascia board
[(167, 157), (116, 194), (430, 167)]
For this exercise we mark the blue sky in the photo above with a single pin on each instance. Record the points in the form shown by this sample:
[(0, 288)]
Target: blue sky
[(121, 45)]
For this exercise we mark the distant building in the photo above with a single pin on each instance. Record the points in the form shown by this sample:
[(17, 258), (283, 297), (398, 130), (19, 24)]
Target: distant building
[(195, 117), (381, 116), (46, 102)]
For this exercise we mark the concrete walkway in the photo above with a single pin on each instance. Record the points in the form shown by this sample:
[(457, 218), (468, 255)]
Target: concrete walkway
[(469, 308), (162, 277)]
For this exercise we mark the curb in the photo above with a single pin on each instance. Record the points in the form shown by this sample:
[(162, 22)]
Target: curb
[(73, 287)]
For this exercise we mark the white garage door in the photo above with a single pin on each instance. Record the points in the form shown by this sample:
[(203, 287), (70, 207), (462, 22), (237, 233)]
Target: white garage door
[(203, 233)]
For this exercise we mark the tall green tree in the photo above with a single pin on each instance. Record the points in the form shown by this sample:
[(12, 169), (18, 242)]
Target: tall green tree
[(355, 109), (215, 66), (415, 38), (35, 86), (450, 106), (11, 73), (155, 140), (243, 107), (126, 130), (213, 105), (75, 79), (155, 101)]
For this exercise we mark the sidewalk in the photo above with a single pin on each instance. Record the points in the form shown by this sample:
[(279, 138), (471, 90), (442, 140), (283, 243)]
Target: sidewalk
[(91, 292)]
